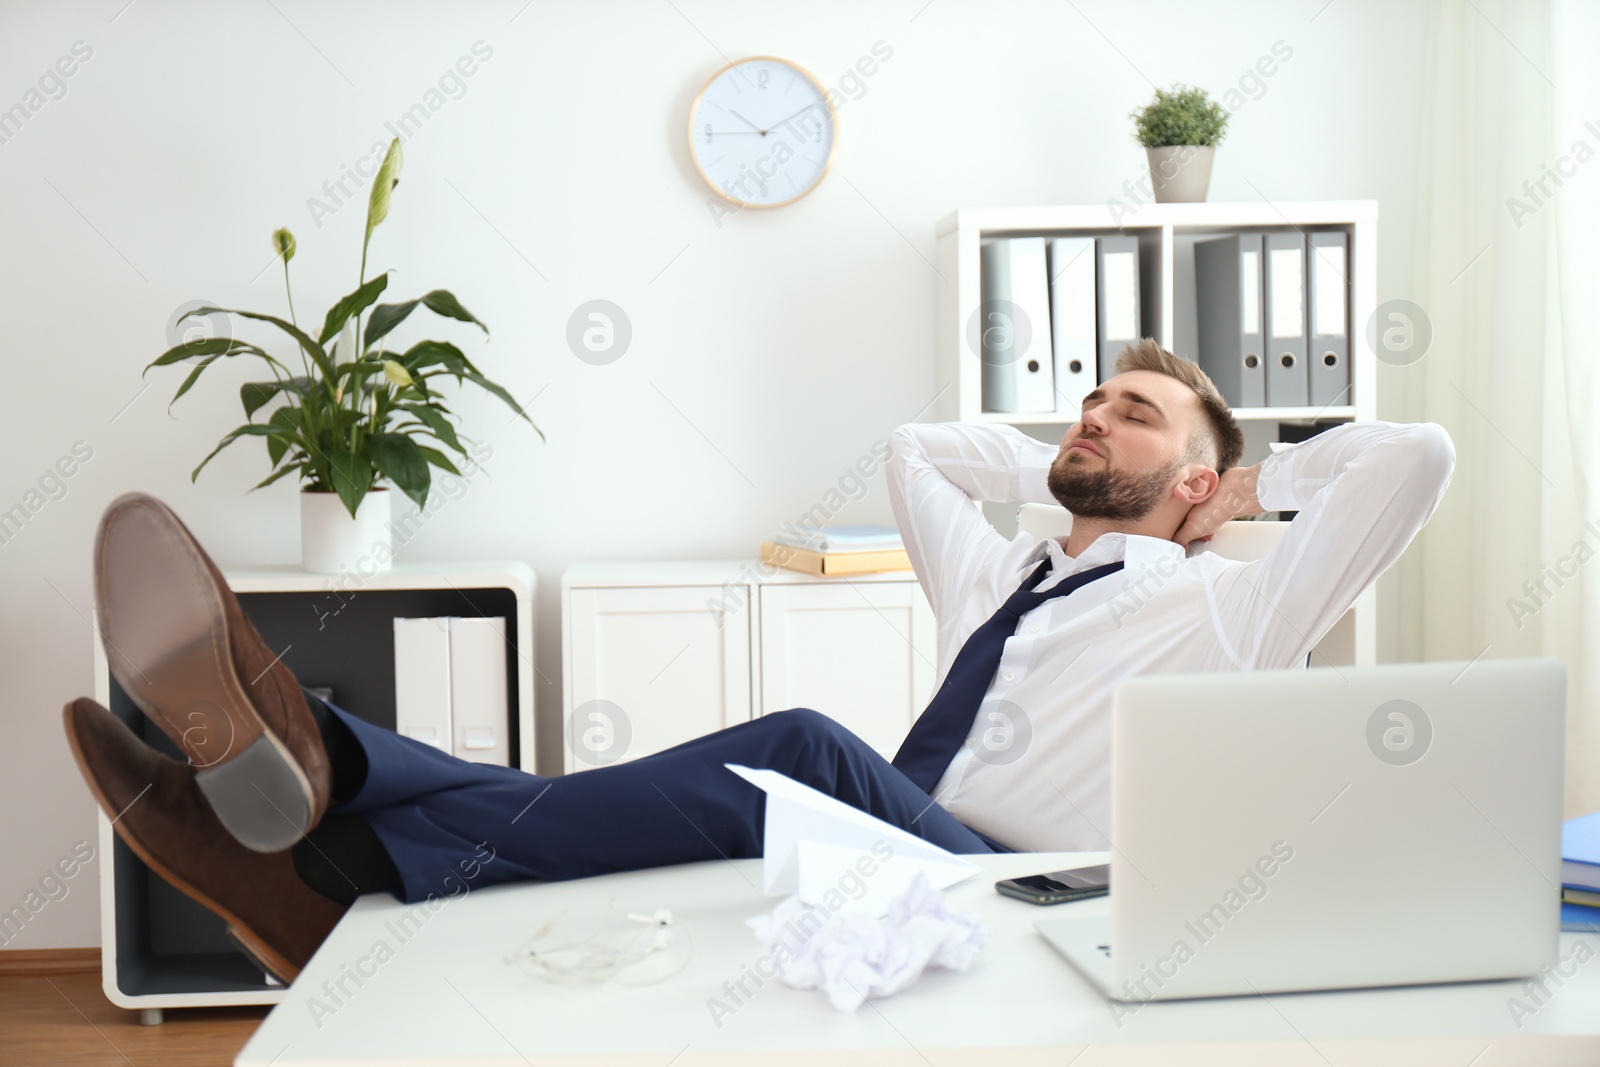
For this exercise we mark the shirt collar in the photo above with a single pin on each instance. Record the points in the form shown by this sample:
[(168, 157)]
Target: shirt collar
[(1137, 551)]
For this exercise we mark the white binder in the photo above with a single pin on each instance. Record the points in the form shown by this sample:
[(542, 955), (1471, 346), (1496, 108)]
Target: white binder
[(450, 686), (1117, 298), (1328, 286), (479, 702), (1014, 326), (1072, 325), (422, 681)]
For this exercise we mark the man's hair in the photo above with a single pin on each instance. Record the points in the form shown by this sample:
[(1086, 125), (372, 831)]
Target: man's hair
[(1219, 424)]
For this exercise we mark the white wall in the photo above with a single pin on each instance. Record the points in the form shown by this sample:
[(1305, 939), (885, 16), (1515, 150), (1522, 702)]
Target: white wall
[(767, 357)]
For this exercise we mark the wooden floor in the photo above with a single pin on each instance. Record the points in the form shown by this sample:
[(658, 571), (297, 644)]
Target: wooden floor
[(65, 1020)]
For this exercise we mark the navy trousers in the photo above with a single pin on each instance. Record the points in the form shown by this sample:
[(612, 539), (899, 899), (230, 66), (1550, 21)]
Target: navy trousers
[(441, 819)]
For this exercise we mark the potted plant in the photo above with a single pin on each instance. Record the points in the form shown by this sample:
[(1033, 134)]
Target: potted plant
[(1180, 129), (352, 414)]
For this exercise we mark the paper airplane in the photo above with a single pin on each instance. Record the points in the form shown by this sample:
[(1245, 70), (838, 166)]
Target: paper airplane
[(824, 851)]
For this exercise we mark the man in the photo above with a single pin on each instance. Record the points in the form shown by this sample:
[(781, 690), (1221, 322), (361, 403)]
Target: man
[(290, 808)]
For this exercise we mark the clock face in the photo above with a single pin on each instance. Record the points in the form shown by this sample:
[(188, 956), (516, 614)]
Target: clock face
[(762, 132)]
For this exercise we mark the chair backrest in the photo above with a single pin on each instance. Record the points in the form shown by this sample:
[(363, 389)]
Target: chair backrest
[(1236, 540)]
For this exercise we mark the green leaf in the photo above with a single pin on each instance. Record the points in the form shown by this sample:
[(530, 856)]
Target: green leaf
[(343, 419), (443, 302), (256, 395), (312, 348), (437, 423), (283, 243), (275, 475), (400, 459), (352, 304), (425, 354), (352, 477), (386, 317), (500, 392), (247, 430), (438, 459), (207, 346), (194, 376), (290, 420)]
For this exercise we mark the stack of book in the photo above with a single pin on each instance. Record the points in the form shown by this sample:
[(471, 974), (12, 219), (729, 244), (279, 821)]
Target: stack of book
[(833, 550), (1580, 873)]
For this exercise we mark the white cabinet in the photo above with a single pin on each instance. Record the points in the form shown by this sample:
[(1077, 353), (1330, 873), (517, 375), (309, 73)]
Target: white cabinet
[(859, 652), (648, 667), (655, 654)]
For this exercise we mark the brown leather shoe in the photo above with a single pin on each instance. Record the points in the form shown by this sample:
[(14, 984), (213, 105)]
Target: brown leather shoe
[(180, 646), (156, 807)]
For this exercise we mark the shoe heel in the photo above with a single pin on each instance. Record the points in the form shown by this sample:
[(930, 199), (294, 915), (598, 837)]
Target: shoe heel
[(260, 795)]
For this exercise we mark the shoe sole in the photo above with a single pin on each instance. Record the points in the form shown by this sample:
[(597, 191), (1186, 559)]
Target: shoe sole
[(175, 664), (265, 955), (256, 953)]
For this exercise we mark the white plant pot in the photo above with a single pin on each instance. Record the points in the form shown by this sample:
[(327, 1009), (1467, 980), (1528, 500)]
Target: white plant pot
[(331, 542), (1180, 174)]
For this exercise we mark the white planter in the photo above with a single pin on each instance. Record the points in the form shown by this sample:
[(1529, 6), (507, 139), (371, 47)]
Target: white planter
[(331, 542), (1180, 174)]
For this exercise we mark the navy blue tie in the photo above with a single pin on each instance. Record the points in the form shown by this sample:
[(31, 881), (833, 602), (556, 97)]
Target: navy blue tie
[(942, 728)]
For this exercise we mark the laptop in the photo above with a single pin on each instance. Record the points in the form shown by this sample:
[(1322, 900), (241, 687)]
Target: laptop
[(1333, 828)]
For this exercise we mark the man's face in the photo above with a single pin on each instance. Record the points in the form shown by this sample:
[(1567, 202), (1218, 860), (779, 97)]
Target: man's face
[(1127, 450)]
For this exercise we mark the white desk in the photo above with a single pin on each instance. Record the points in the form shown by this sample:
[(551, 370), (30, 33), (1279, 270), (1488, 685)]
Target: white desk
[(446, 997)]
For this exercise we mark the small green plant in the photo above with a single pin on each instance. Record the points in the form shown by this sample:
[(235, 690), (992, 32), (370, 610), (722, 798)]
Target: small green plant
[(1183, 115), (357, 412)]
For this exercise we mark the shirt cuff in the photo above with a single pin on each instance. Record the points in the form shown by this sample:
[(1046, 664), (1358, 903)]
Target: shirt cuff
[(1275, 485), (1033, 483), (1034, 458)]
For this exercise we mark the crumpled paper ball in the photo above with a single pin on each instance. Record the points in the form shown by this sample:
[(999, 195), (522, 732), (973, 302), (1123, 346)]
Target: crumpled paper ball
[(856, 957)]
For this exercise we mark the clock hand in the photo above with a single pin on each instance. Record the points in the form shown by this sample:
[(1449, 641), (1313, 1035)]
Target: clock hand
[(785, 122), (747, 122)]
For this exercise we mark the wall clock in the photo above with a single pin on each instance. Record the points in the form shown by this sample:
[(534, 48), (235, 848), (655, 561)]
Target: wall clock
[(762, 132)]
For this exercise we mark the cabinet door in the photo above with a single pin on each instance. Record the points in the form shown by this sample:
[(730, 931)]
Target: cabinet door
[(650, 668), (861, 653)]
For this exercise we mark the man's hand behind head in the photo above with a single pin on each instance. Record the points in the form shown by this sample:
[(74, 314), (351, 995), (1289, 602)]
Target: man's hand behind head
[(1235, 496)]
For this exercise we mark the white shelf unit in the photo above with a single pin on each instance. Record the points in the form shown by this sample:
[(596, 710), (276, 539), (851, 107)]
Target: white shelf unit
[(686, 647), (1166, 234), (134, 973)]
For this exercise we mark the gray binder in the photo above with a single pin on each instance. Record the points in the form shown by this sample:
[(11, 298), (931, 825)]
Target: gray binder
[(1284, 305), (1227, 284), (1116, 276), (1328, 303)]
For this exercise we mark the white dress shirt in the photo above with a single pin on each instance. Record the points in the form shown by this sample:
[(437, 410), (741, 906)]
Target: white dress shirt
[(1035, 771)]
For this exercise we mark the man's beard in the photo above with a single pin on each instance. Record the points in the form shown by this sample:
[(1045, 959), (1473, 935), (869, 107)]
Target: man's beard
[(1105, 493)]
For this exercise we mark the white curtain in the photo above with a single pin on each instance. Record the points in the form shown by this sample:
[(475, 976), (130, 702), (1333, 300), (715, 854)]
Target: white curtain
[(1506, 261)]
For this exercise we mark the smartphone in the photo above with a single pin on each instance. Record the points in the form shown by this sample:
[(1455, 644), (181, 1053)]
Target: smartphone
[(1058, 887)]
